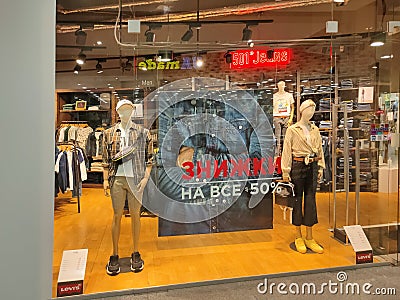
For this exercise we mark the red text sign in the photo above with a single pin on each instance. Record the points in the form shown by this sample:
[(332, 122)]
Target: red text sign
[(258, 58)]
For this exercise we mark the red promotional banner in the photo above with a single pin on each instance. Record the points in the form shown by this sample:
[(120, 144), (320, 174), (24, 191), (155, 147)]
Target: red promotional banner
[(258, 58)]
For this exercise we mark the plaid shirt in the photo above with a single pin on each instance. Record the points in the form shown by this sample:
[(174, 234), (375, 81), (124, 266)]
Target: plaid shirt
[(139, 136)]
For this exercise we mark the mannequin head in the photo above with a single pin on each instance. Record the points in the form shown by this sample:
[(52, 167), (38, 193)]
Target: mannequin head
[(281, 86), (307, 109), (125, 110)]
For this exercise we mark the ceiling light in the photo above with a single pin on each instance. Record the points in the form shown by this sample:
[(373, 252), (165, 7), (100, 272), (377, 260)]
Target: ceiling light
[(199, 61), (250, 43), (77, 68), (99, 68), (99, 43), (165, 55), (187, 35), (247, 33), (378, 40), (80, 36), (387, 56), (81, 59)]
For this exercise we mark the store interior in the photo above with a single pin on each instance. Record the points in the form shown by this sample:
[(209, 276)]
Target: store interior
[(213, 48)]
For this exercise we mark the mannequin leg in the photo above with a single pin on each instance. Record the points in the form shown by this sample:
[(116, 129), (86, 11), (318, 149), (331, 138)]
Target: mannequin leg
[(278, 132), (309, 233), (118, 196), (134, 209), (298, 232)]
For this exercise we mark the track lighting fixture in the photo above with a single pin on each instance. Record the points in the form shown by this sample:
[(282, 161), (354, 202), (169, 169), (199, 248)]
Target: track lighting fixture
[(99, 68), (80, 36), (150, 36), (81, 59), (228, 57), (247, 33), (378, 40), (127, 66), (165, 55), (187, 35), (77, 68)]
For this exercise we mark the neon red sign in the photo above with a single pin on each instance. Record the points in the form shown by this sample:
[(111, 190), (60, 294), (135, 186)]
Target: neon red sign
[(258, 58)]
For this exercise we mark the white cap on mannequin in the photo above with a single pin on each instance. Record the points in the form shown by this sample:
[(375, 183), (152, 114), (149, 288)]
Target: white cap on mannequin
[(306, 104), (123, 102)]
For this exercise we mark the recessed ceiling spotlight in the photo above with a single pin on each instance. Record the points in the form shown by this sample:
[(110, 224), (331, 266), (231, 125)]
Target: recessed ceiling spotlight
[(99, 43), (81, 59), (77, 68)]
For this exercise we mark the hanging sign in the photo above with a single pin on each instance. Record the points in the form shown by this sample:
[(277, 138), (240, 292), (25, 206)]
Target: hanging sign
[(260, 58)]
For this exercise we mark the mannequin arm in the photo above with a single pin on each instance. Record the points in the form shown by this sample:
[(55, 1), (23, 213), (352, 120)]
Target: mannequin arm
[(106, 185), (290, 121)]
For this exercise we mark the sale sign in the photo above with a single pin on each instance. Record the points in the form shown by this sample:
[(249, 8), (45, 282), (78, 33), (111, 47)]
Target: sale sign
[(260, 58)]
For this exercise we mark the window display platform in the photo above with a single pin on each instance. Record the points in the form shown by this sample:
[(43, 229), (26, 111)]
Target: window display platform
[(191, 258)]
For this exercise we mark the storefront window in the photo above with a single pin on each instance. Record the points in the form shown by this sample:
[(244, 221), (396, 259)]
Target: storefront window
[(180, 159)]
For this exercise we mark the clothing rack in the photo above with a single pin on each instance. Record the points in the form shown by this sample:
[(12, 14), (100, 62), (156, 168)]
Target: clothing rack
[(75, 161)]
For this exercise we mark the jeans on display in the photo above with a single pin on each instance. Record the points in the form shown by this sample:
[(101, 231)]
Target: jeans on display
[(304, 177), (280, 125)]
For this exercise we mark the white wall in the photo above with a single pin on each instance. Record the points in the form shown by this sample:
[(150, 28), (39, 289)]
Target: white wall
[(26, 148)]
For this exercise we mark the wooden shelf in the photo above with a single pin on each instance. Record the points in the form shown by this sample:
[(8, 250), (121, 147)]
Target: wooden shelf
[(341, 111), (316, 93), (348, 89), (78, 111)]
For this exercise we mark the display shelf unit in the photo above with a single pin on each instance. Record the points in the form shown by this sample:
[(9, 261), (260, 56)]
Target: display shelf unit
[(334, 94)]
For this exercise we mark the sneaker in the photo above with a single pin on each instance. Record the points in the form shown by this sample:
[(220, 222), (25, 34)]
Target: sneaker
[(313, 246), (113, 266), (300, 246), (137, 263)]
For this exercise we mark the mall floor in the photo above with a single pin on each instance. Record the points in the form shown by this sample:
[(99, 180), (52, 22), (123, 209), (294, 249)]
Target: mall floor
[(385, 278), (199, 258)]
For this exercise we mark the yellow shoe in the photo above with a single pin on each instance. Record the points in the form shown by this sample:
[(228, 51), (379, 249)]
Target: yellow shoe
[(313, 246), (300, 246)]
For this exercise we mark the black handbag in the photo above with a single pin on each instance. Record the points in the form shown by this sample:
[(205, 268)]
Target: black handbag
[(284, 194)]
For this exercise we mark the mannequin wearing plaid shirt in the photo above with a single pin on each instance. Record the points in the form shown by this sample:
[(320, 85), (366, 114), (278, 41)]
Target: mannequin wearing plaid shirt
[(126, 180)]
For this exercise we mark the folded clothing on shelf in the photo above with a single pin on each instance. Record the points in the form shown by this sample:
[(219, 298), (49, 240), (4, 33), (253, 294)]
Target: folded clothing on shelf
[(324, 88), (365, 163), (307, 90), (350, 122), (364, 81), (325, 124), (340, 178), (341, 142), (348, 103), (374, 185), (363, 106), (68, 107), (346, 83), (325, 104), (341, 162)]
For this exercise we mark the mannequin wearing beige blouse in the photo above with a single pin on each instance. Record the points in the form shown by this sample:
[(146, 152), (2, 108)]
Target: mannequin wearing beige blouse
[(302, 164)]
